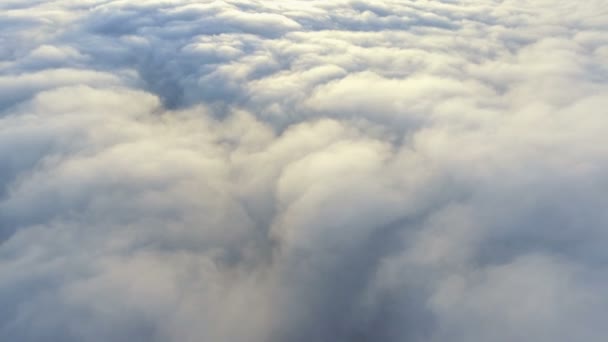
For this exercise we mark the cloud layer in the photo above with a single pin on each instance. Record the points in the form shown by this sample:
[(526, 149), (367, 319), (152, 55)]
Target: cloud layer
[(230, 171)]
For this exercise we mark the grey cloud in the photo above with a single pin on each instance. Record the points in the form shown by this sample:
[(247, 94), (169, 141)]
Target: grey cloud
[(293, 171)]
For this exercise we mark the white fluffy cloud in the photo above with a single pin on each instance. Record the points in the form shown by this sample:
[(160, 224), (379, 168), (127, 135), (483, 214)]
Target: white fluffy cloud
[(303, 170)]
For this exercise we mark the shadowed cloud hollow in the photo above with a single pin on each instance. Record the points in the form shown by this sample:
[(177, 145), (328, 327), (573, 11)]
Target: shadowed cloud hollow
[(269, 171)]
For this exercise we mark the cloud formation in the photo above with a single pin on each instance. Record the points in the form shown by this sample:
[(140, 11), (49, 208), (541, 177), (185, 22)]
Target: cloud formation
[(244, 170)]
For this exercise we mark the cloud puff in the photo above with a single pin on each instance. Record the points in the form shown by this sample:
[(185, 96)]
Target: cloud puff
[(303, 170)]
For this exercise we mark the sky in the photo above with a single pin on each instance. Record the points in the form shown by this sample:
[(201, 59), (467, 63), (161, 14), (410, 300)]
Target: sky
[(332, 171)]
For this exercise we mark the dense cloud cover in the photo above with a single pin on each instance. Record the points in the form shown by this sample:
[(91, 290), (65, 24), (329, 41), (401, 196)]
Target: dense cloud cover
[(251, 170)]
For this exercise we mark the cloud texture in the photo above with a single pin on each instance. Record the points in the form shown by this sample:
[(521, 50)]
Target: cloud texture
[(232, 171)]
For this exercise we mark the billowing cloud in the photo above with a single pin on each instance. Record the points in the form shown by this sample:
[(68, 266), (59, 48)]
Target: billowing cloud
[(421, 171)]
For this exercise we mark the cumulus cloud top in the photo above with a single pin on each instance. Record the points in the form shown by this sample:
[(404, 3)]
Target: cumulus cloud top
[(303, 170)]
